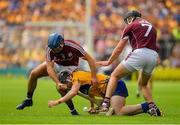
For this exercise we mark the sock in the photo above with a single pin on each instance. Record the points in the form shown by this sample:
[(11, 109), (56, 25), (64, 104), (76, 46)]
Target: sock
[(73, 110), (70, 104), (29, 95), (106, 101), (145, 107)]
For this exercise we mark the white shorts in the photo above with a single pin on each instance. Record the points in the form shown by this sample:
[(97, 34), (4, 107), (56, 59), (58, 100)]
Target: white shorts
[(141, 59), (59, 68)]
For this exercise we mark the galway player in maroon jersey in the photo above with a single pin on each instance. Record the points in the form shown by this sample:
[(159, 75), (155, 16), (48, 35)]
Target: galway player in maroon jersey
[(60, 55), (142, 37)]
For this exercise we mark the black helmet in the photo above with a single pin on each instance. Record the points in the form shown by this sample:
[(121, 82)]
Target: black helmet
[(63, 77), (132, 13)]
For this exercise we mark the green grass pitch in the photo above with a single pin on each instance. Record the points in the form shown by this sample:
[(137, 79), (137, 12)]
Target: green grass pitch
[(13, 91)]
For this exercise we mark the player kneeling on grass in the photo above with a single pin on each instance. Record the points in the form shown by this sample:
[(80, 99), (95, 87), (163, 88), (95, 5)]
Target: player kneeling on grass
[(81, 81)]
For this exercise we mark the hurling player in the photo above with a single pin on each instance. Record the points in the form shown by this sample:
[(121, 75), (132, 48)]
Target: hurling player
[(142, 37), (60, 54), (81, 81)]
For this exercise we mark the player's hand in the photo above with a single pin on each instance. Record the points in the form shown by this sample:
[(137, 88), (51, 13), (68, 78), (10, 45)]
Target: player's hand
[(102, 63), (52, 103), (94, 83), (92, 110)]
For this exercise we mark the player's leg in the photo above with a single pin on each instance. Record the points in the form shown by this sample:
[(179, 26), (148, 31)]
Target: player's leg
[(36, 73), (117, 74), (143, 83), (130, 110), (118, 99), (134, 109), (138, 91), (117, 103), (153, 109), (150, 84), (119, 108), (150, 61), (69, 103)]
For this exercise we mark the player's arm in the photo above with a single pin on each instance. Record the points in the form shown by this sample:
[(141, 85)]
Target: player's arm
[(50, 66), (90, 94), (92, 66), (92, 100), (51, 72), (74, 90), (116, 52), (96, 101)]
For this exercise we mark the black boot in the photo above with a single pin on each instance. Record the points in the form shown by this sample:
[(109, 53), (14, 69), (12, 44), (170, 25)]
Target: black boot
[(25, 103)]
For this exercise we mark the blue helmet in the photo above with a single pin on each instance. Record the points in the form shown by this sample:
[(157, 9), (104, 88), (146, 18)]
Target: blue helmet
[(54, 40)]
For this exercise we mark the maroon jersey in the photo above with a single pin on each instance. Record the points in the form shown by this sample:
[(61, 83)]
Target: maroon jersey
[(141, 34), (69, 56)]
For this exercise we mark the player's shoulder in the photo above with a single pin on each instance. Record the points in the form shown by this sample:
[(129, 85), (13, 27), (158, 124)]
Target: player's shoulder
[(102, 75), (80, 73), (140, 21), (132, 25), (71, 43), (137, 22), (48, 50)]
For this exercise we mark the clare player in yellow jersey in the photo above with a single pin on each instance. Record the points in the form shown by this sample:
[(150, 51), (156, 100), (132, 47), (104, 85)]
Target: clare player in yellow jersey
[(80, 81)]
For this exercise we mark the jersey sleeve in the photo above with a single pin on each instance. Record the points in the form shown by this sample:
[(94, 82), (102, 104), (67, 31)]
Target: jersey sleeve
[(76, 48), (79, 51), (126, 32), (48, 54), (75, 80)]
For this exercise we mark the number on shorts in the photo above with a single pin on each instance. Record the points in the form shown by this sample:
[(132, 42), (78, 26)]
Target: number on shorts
[(149, 28)]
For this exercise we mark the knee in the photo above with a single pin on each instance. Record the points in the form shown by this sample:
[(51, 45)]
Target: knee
[(117, 112), (143, 85), (33, 74), (120, 112), (114, 75)]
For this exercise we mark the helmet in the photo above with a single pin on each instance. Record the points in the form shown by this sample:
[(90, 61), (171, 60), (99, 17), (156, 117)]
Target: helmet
[(54, 40), (64, 77), (132, 13)]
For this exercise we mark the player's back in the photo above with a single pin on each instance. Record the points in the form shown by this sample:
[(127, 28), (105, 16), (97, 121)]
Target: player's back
[(142, 34), (69, 56), (84, 77)]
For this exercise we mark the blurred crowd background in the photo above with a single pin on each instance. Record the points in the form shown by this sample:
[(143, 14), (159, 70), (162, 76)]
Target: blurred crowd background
[(23, 44)]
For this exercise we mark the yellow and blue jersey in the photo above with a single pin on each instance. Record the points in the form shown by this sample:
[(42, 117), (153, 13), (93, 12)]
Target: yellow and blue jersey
[(84, 78)]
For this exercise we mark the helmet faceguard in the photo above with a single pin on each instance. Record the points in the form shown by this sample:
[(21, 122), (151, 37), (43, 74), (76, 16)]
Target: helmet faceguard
[(65, 77)]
